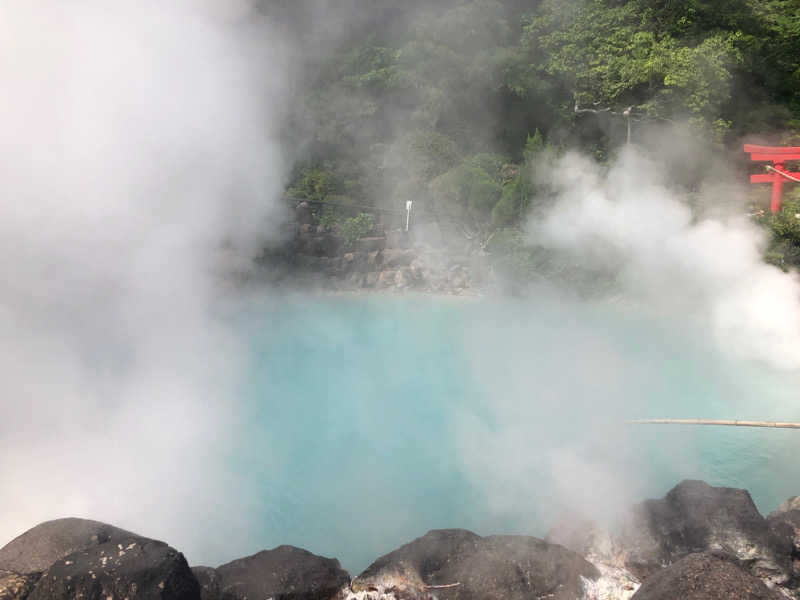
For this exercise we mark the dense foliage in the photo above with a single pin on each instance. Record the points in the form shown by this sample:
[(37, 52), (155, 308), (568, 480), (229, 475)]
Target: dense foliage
[(449, 103)]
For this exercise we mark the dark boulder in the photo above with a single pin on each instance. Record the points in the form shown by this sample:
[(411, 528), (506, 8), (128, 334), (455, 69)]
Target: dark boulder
[(38, 548), (693, 517), (458, 564), (125, 568), (285, 573), (784, 522), (705, 576), (210, 583)]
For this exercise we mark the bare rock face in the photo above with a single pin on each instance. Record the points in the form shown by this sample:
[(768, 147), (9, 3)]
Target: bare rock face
[(130, 567), (693, 517), (26, 557), (79, 558), (38, 548), (784, 522), (285, 573), (210, 583), (458, 564), (705, 576)]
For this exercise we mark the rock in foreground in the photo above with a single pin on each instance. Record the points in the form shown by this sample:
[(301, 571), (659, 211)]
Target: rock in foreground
[(453, 563), (135, 567), (38, 548), (705, 576), (693, 517), (79, 558), (285, 573)]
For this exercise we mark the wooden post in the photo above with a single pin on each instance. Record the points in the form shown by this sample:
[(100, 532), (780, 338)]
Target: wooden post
[(724, 422)]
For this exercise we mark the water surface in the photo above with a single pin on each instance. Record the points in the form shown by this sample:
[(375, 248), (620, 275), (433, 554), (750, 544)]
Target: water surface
[(372, 419)]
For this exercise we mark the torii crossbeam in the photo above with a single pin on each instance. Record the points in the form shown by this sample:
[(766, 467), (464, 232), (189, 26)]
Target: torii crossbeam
[(778, 156)]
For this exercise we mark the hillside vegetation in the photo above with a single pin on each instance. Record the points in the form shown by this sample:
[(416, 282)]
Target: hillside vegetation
[(450, 103)]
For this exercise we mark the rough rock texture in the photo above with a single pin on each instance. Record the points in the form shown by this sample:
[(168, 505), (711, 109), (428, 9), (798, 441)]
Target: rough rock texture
[(210, 583), (784, 522), (125, 568), (493, 567), (693, 517), (38, 548), (315, 254), (705, 576), (285, 573), (14, 586)]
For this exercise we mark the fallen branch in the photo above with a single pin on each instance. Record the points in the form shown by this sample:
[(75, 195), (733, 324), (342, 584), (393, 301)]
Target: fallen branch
[(724, 422), (441, 587)]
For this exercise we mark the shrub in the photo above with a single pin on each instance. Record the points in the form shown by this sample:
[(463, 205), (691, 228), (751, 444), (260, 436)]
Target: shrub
[(356, 227)]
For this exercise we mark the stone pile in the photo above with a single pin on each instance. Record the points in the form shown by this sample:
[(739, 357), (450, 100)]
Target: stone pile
[(697, 543)]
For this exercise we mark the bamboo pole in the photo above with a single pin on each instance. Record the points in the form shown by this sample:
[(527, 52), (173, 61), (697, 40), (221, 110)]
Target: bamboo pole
[(724, 422)]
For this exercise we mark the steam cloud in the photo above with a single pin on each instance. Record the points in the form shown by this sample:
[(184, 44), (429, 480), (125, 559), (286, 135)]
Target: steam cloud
[(629, 224), (696, 324), (138, 162), (138, 165)]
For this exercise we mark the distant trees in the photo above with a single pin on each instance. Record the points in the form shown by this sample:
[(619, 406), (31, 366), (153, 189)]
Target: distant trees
[(448, 103)]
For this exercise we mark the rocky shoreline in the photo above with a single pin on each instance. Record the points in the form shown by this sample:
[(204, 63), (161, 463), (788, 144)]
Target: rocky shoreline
[(426, 259), (697, 543)]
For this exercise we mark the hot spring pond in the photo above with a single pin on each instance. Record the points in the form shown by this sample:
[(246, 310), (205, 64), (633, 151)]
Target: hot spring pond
[(370, 420)]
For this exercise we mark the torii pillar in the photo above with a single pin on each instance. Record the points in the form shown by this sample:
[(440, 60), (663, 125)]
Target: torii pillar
[(778, 156)]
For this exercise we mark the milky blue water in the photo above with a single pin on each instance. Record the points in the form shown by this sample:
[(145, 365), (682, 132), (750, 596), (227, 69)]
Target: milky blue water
[(370, 420)]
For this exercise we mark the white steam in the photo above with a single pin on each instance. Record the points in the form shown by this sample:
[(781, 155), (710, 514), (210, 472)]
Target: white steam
[(628, 223), (137, 166), (696, 325)]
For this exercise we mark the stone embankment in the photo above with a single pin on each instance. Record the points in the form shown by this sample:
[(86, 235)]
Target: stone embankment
[(423, 260), (697, 543)]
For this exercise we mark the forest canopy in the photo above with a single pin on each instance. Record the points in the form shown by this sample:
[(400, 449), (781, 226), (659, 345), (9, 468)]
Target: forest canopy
[(448, 103)]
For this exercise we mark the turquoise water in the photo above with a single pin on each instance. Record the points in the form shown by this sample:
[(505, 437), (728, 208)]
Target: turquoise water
[(370, 420)]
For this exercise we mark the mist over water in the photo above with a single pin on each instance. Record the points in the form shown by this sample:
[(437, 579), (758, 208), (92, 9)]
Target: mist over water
[(141, 170), (391, 416)]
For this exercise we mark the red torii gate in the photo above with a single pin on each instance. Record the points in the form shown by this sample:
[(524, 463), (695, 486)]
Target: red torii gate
[(778, 156)]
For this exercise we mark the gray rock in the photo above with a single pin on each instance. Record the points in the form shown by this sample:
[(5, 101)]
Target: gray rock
[(693, 517), (784, 522), (125, 568), (285, 573), (210, 582), (38, 548), (486, 568), (705, 576)]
